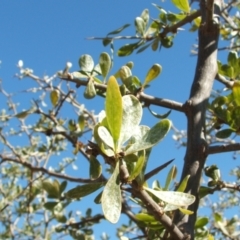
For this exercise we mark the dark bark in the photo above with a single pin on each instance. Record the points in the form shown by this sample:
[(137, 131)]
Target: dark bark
[(195, 109)]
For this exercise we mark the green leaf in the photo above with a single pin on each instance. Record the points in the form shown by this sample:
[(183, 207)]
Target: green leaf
[(52, 188), (105, 136), (63, 186), (140, 25), (81, 122), (145, 16), (130, 64), (129, 48), (204, 191), (138, 166), (125, 74), (23, 114), (83, 190), (155, 44), (95, 168), (167, 41), (105, 64), (183, 184), (111, 197), (114, 109), (153, 72), (158, 115), (177, 199), (54, 96), (183, 5), (106, 41), (86, 63), (90, 91), (236, 92), (201, 222), (151, 138), (185, 211), (171, 175), (50, 205), (225, 133), (132, 115), (145, 217), (143, 48), (118, 30)]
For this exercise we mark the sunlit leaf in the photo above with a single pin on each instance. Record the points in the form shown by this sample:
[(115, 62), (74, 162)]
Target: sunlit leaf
[(114, 109), (105, 63), (138, 166), (171, 175), (83, 190), (126, 49), (140, 25), (105, 136), (52, 188), (153, 72), (145, 217), (111, 197), (132, 115), (185, 211), (236, 92), (23, 114), (54, 96), (174, 198), (90, 91), (151, 138), (86, 63), (183, 184), (182, 5)]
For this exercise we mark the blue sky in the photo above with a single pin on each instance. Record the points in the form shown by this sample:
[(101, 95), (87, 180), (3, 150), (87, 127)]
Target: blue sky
[(47, 34)]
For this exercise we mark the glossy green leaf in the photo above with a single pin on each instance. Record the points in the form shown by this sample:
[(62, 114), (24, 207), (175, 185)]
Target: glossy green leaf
[(158, 115), (83, 190), (236, 92), (153, 72), (90, 91), (95, 168), (201, 222), (140, 25), (171, 175), (114, 109), (151, 138), (183, 5), (132, 115), (81, 122), (213, 172), (105, 64), (225, 133), (50, 205), (105, 136), (54, 96), (117, 31), (106, 41), (183, 184), (178, 199), (86, 63), (138, 166), (111, 197)]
